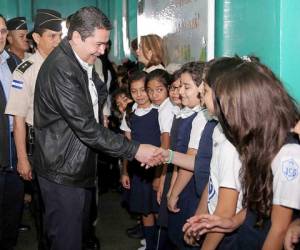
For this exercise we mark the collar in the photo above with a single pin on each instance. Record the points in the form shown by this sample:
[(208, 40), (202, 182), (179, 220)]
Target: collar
[(148, 70), (164, 103), (39, 56), (4, 56), (187, 112), (85, 65), (135, 107)]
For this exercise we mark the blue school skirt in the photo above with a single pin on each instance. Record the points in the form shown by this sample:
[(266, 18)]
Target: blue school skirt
[(249, 236), (163, 212), (142, 197), (188, 202)]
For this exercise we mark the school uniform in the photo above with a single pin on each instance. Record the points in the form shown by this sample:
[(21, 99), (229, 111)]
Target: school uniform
[(163, 242), (165, 115), (188, 201), (144, 128), (224, 169), (163, 209), (224, 172), (203, 157), (285, 168)]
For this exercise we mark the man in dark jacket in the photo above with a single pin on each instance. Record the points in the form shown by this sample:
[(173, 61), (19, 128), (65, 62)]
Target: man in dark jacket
[(68, 129)]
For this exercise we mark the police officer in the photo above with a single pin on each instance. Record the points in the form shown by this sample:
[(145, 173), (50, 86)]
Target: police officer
[(11, 186), (47, 35), (18, 42)]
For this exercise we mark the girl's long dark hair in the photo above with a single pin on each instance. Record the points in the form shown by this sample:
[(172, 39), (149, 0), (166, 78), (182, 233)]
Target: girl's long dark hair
[(257, 115)]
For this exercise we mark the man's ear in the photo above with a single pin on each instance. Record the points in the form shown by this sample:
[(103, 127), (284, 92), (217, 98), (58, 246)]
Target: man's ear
[(76, 37), (9, 38), (36, 37)]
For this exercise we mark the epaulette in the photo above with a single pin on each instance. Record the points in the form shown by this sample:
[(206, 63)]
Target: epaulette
[(24, 66)]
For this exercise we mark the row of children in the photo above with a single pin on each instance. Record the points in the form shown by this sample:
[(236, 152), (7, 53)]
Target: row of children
[(231, 164)]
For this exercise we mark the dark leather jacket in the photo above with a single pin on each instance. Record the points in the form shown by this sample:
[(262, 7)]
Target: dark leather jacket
[(67, 136)]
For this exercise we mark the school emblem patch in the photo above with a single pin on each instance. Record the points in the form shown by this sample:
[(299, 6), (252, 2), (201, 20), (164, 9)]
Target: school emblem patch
[(290, 169), (211, 190)]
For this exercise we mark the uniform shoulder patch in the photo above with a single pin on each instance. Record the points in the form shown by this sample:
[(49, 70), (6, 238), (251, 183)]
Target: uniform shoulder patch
[(24, 66), (290, 169)]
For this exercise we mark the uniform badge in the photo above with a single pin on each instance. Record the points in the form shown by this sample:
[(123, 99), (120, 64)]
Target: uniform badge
[(17, 84), (290, 169), (211, 189), (24, 66)]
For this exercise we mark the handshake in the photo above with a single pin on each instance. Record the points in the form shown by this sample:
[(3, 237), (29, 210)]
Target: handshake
[(150, 155)]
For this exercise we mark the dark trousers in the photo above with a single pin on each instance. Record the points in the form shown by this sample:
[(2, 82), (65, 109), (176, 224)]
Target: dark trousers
[(11, 204), (66, 214)]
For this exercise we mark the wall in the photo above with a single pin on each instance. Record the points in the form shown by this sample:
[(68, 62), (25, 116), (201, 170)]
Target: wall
[(290, 43), (266, 29)]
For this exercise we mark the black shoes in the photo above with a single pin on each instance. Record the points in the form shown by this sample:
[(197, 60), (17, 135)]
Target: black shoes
[(135, 232)]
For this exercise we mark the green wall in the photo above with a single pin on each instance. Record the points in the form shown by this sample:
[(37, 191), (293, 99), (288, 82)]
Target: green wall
[(290, 43), (267, 29)]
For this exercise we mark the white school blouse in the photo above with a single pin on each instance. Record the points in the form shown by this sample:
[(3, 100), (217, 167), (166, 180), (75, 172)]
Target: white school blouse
[(166, 112), (224, 170), (197, 128), (286, 180)]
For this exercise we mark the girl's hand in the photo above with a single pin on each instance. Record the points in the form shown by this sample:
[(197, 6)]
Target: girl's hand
[(292, 236), (162, 154), (172, 204), (160, 191), (125, 180), (204, 223), (190, 240), (155, 184)]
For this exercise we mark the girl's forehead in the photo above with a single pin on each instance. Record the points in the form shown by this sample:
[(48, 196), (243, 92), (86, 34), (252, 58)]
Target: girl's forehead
[(137, 83), (155, 83)]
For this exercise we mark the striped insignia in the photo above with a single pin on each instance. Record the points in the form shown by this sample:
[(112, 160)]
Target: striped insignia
[(17, 84), (24, 66)]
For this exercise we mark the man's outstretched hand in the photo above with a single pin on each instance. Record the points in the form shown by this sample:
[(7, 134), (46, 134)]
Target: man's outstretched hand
[(149, 155)]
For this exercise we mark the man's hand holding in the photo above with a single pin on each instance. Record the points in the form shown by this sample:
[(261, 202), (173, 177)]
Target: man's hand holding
[(149, 155)]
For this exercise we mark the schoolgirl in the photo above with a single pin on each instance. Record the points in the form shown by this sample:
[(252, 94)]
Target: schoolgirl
[(222, 176), (121, 98), (141, 124), (183, 189), (270, 157), (163, 242), (157, 84)]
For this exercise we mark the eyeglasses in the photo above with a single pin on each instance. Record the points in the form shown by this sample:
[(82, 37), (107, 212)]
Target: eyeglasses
[(3, 31)]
